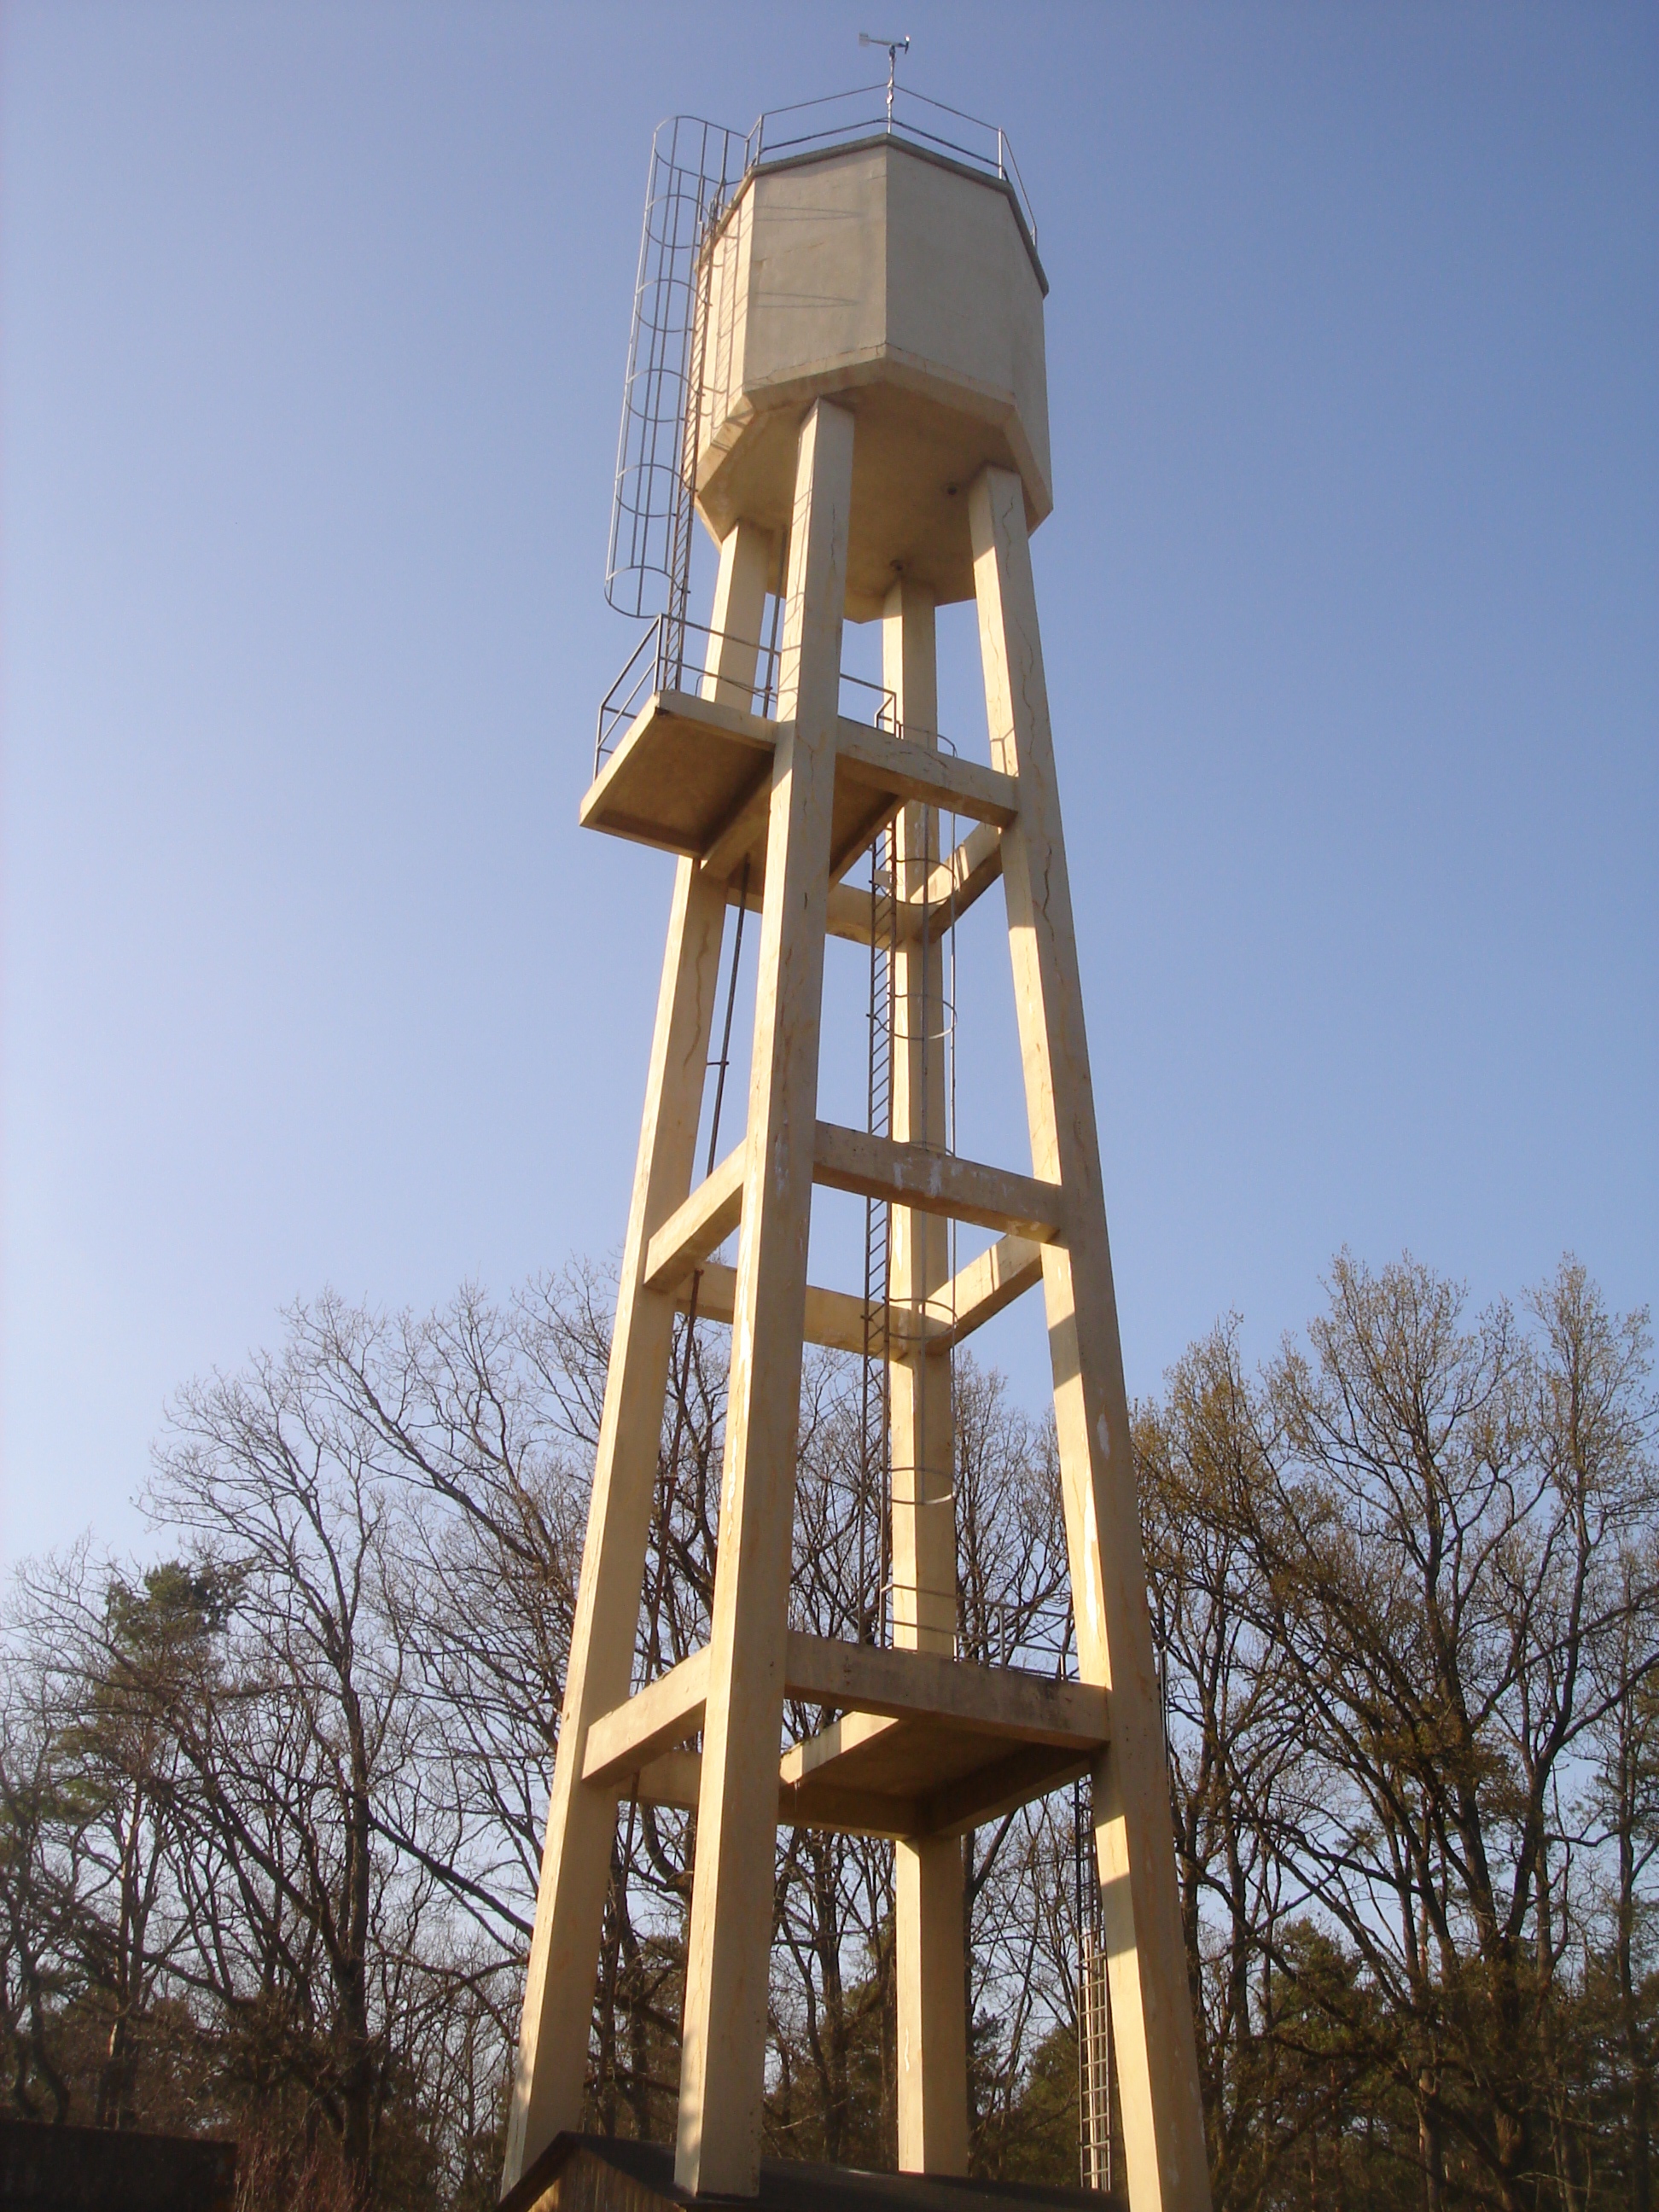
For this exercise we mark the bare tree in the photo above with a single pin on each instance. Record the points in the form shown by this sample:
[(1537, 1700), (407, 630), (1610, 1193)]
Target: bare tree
[(1235, 1744), (271, 1809), (1432, 1556), (40, 1887), (305, 1915)]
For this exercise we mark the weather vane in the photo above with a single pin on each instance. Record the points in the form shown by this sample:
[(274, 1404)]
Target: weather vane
[(895, 48)]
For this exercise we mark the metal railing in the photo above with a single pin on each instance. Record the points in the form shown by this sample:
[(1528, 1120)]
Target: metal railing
[(674, 656), (812, 124)]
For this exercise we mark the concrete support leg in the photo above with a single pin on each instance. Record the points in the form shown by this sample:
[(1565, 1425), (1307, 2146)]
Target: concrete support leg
[(552, 2055), (739, 606), (723, 2057), (1165, 2159), (933, 2038)]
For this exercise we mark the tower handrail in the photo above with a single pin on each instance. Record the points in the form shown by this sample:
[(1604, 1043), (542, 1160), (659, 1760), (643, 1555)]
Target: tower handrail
[(673, 655), (991, 154)]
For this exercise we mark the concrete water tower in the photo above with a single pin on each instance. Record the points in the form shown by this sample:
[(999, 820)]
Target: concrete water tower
[(838, 361)]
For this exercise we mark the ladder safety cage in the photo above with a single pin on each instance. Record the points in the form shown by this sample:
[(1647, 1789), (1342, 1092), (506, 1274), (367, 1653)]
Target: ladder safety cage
[(694, 168)]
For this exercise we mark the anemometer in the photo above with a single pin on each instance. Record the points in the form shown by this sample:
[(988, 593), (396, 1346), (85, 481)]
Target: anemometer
[(895, 48)]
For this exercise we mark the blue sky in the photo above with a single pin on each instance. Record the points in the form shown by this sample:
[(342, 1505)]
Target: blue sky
[(313, 326)]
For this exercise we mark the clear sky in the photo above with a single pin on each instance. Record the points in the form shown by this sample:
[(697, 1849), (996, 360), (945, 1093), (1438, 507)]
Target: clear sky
[(314, 323)]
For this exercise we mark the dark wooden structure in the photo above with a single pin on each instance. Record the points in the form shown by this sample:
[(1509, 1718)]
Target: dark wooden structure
[(63, 2169), (594, 2174)]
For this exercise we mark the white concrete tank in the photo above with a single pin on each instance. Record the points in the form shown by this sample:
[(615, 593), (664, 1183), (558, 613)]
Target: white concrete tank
[(906, 285)]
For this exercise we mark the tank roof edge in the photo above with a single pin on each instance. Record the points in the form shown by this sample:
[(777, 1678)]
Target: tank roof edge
[(769, 167)]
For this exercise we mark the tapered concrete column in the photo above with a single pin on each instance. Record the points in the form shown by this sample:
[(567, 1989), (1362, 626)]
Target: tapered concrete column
[(1165, 2160), (724, 2049), (924, 1521), (581, 1820), (739, 608), (933, 2039)]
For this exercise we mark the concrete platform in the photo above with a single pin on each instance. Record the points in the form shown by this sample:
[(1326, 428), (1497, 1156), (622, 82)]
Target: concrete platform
[(682, 770), (693, 776), (870, 1774), (593, 2173), (920, 1744)]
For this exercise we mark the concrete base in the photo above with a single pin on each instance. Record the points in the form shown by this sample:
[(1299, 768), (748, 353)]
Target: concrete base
[(50, 2169), (594, 2174)]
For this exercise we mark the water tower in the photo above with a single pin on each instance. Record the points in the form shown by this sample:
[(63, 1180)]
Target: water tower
[(838, 364)]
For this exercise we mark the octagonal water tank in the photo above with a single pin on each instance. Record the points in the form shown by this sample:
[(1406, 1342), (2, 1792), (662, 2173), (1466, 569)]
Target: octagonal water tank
[(903, 285)]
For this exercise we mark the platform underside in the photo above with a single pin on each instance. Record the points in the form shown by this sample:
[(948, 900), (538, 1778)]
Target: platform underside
[(868, 1775), (682, 772), (914, 1743), (688, 776), (595, 2174), (694, 776)]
